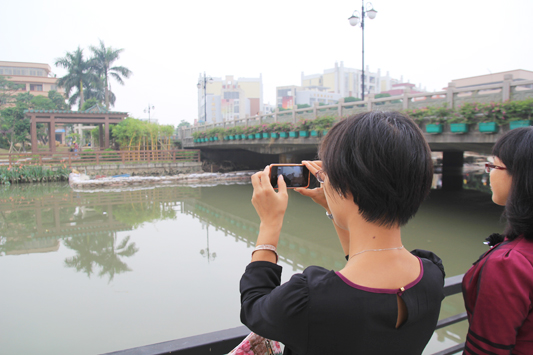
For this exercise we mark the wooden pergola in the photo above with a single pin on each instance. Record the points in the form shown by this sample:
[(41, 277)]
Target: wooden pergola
[(96, 115)]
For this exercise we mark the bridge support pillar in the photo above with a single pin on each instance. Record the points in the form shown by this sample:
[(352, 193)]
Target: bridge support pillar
[(286, 158), (452, 171)]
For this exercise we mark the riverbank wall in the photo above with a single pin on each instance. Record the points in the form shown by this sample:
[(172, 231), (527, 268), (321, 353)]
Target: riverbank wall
[(141, 169), (83, 181)]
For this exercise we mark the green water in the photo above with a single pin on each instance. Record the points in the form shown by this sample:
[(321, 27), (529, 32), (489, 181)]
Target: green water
[(94, 272)]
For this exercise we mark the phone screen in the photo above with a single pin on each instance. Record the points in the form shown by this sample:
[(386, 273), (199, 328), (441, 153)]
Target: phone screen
[(295, 175)]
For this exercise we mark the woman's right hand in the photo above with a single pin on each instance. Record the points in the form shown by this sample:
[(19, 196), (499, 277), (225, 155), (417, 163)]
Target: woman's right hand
[(316, 194)]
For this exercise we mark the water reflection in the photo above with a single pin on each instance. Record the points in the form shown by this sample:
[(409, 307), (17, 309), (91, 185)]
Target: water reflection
[(104, 250)]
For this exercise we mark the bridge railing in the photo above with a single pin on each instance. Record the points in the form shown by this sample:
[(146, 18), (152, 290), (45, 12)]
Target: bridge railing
[(454, 97), (221, 342), (70, 159)]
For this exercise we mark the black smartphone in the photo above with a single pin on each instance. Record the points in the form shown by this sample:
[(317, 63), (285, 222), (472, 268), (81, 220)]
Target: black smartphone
[(295, 175)]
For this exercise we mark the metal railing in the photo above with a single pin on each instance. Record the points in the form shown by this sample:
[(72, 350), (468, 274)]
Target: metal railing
[(98, 157), (223, 341)]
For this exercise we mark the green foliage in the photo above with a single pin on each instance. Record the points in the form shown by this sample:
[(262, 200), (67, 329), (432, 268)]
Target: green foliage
[(184, 124), (252, 129), (322, 123), (32, 173), (80, 75), (215, 132), (8, 90), (238, 130), (58, 99), (351, 99), (89, 103), (303, 125), (102, 61), (303, 106)]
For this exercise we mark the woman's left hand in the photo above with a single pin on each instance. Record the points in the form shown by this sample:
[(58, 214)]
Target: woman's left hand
[(270, 206)]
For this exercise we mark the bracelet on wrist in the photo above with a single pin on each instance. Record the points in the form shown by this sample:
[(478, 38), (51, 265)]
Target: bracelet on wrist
[(266, 247)]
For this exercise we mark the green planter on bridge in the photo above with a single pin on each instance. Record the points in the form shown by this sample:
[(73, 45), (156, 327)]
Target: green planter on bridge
[(459, 128), (488, 127), (293, 134), (314, 133), (215, 138), (434, 128), (274, 135), (258, 135), (304, 133), (266, 135), (518, 124), (251, 136), (231, 138), (244, 136), (284, 135)]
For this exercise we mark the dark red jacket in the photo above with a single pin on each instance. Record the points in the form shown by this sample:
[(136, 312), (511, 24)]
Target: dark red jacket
[(498, 294)]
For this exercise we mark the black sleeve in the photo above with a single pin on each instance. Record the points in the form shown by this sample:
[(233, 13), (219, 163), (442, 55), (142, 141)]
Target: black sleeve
[(272, 311), (431, 257)]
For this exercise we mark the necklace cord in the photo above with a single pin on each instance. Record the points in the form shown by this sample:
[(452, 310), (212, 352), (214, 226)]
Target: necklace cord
[(364, 251)]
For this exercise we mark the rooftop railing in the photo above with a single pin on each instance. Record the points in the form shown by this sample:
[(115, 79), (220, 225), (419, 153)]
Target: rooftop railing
[(223, 341)]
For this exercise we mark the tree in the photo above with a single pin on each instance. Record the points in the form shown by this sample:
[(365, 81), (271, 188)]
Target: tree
[(58, 99), (102, 61), (8, 90), (80, 74)]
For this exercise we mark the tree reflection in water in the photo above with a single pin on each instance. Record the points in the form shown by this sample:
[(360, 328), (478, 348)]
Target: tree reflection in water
[(104, 250)]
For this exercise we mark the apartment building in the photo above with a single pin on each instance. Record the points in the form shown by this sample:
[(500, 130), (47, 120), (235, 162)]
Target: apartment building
[(493, 78), (37, 78), (229, 98), (348, 81)]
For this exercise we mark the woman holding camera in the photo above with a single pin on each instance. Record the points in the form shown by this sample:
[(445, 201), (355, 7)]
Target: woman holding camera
[(498, 288), (375, 171)]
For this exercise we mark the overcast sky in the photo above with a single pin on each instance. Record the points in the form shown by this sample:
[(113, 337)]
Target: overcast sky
[(167, 44)]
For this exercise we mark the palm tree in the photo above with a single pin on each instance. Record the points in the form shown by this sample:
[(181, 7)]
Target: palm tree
[(80, 74), (103, 60)]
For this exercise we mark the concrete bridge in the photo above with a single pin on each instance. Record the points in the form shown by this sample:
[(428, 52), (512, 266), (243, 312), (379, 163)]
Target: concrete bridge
[(258, 153)]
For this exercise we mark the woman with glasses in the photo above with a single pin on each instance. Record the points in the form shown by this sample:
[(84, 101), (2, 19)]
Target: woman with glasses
[(375, 171), (498, 288)]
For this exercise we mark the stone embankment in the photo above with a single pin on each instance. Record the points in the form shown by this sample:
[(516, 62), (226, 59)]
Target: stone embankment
[(81, 181)]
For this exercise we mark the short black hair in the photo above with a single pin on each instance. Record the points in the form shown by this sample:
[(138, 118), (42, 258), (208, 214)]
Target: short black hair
[(515, 150), (383, 160)]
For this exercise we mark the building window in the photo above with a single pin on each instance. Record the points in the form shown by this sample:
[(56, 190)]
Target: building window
[(53, 87), (372, 79), (228, 95), (36, 87)]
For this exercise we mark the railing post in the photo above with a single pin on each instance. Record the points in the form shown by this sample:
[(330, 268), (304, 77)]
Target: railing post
[(315, 111), (506, 89), (339, 108), (276, 110), (69, 160), (449, 94), (97, 157), (371, 97), (406, 99), (294, 113)]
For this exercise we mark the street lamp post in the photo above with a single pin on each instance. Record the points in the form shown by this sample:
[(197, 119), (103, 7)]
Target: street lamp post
[(354, 21), (149, 109), (202, 83)]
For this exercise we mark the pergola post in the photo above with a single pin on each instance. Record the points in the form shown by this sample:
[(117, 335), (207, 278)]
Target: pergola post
[(52, 134), (33, 133), (100, 136), (106, 120)]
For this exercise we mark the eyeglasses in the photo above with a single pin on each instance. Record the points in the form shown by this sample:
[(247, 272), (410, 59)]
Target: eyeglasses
[(489, 167), (320, 176)]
